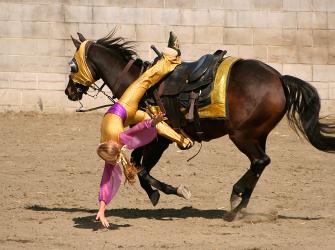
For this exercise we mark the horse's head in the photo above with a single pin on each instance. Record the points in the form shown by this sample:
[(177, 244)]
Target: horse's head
[(82, 75), (106, 58)]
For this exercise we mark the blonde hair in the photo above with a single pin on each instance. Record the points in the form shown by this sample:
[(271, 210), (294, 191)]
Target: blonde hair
[(109, 151), (112, 152)]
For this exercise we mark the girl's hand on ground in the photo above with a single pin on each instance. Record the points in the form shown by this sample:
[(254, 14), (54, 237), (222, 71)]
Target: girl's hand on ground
[(101, 214), (102, 218)]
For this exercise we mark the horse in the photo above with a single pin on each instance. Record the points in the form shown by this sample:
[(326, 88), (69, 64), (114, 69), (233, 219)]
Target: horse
[(258, 95)]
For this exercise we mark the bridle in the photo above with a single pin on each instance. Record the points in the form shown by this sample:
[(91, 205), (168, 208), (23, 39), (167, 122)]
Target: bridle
[(82, 75)]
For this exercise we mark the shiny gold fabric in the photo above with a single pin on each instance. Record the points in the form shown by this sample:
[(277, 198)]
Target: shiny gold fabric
[(217, 108), (112, 125), (132, 96), (84, 75)]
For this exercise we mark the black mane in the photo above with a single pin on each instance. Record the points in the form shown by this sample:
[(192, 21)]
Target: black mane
[(124, 48)]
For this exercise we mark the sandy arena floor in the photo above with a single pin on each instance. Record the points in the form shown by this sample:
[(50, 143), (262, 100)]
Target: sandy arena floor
[(50, 177)]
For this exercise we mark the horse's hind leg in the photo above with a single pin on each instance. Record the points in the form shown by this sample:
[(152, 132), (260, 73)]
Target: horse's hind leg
[(254, 149)]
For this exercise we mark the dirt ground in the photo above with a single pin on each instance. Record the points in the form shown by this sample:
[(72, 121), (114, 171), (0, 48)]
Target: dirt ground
[(50, 177)]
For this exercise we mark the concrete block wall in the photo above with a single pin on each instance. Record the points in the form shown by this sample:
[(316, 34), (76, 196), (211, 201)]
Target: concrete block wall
[(296, 37)]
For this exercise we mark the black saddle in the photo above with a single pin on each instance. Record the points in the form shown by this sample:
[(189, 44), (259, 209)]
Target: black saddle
[(186, 76), (188, 86)]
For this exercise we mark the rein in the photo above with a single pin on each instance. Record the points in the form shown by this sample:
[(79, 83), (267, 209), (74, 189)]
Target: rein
[(99, 89)]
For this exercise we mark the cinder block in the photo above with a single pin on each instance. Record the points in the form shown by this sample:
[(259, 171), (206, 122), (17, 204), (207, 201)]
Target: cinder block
[(150, 4), (150, 33), (313, 55), (268, 36), (185, 33), (320, 37), (63, 30), (304, 37), (232, 50), (289, 37), (140, 16), (31, 12), (50, 81), (44, 98), (331, 54), (106, 15), (216, 17), (290, 54), (298, 5), (128, 32), (94, 31), (323, 5), (332, 91), (315, 20), (121, 3), (77, 13), (193, 52), (51, 12), (231, 18), (274, 20), (208, 34), (268, 4), (256, 19), (17, 46), (4, 84), (238, 36), (322, 88), (35, 29), (331, 20), (211, 5), (13, 11), (10, 97), (275, 54), (290, 19), (3, 11), (253, 52), (323, 73), (331, 37), (237, 5), (166, 16), (301, 71), (277, 66), (195, 17), (320, 20), (50, 47), (11, 29), (9, 63), (327, 107), (179, 4), (24, 81)]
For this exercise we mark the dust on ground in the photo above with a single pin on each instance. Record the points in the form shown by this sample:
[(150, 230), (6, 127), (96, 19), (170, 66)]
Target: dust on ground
[(50, 176)]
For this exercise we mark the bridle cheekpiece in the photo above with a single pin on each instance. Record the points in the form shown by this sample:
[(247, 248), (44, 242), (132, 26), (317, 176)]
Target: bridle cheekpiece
[(80, 72)]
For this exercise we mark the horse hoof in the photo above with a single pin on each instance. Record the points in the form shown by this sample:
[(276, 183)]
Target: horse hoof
[(183, 191), (235, 201), (154, 197), (229, 216)]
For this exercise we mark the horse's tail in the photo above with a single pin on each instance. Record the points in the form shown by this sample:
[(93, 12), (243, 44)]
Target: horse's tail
[(303, 109)]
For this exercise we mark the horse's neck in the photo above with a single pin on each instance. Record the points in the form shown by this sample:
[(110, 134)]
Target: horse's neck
[(110, 67)]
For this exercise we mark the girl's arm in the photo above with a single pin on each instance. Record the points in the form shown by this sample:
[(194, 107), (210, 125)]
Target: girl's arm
[(142, 133)]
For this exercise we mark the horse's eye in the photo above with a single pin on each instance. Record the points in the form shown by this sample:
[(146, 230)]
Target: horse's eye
[(73, 66)]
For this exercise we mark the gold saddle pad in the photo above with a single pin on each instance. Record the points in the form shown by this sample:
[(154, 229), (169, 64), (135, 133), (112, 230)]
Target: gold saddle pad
[(218, 106)]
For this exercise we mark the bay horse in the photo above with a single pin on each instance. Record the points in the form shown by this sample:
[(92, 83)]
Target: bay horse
[(258, 95)]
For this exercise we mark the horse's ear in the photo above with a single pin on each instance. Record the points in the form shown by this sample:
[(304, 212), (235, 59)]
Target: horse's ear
[(76, 42), (81, 37)]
